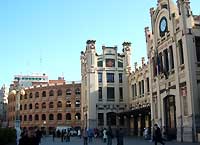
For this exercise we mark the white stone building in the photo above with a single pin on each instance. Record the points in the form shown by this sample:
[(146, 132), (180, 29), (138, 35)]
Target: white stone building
[(104, 84)]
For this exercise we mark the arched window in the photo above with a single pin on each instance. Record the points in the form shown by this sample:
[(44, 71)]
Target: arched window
[(30, 95), (77, 116), (77, 91), (36, 117), (25, 96), (68, 104), (20, 107), (51, 93), (25, 107), (51, 105), (37, 95), (44, 94), (68, 92), (59, 116), (111, 118), (36, 106), (30, 106), (68, 116), (43, 117), (59, 104), (30, 118), (43, 105), (25, 118), (20, 117), (51, 117), (77, 103), (59, 93)]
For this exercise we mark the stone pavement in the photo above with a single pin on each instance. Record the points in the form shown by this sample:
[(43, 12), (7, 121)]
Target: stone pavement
[(127, 141)]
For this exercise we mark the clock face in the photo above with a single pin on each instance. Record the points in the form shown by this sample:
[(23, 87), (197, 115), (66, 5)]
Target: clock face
[(163, 24)]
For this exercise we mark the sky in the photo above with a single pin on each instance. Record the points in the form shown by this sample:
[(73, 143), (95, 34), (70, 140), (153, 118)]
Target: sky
[(47, 36)]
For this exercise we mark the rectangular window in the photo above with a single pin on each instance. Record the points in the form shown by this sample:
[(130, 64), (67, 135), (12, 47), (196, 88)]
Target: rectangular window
[(166, 66), (120, 94), (120, 64), (140, 92), (197, 43), (154, 67), (100, 119), (171, 57), (133, 91), (143, 87), (120, 78), (110, 78), (100, 77), (110, 63), (161, 62), (100, 93), (110, 94), (100, 63), (147, 84), (181, 56)]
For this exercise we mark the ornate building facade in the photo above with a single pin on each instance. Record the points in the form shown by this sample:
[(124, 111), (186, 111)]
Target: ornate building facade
[(48, 106), (173, 49), (104, 84)]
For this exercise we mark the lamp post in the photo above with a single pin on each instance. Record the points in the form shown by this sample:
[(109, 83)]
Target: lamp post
[(17, 93)]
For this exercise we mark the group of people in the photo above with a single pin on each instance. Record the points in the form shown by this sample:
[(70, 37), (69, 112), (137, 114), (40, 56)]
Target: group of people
[(30, 137)]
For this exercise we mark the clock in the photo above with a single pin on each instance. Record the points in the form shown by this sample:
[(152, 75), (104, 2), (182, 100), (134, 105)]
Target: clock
[(163, 25)]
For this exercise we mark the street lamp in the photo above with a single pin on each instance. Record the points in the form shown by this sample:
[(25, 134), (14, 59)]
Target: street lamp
[(17, 93)]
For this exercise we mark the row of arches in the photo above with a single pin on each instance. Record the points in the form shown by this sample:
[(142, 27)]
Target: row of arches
[(51, 105), (51, 117), (52, 93)]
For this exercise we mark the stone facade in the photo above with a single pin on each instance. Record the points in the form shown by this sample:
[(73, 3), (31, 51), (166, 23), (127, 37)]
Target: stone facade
[(104, 84), (48, 106)]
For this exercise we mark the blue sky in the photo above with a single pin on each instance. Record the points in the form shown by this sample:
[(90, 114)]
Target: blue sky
[(39, 36)]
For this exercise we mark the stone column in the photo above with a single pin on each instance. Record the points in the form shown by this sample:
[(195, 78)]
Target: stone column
[(131, 125), (139, 126)]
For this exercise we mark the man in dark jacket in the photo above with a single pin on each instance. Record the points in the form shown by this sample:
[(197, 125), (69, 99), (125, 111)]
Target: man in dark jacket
[(157, 135)]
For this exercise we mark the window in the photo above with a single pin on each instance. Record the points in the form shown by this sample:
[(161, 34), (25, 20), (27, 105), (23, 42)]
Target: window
[(100, 63), (100, 93), (59, 104), (30, 106), (68, 92), (100, 119), (110, 93), (171, 57), (77, 103), (36, 117), (20, 107), (36, 106), (59, 116), (51, 117), (197, 44), (181, 56), (44, 94), (77, 91), (59, 93), (120, 78), (142, 87), (51, 93), (100, 77), (25, 118), (78, 116), (120, 64), (154, 67), (140, 92), (147, 84), (133, 91), (25, 107), (50, 105), (30, 118), (110, 78), (43, 105), (43, 117), (36, 94), (68, 116), (110, 63), (30, 96), (120, 94), (166, 61), (111, 118), (68, 104), (161, 63)]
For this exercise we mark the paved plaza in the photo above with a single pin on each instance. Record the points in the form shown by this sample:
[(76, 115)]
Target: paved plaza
[(127, 141)]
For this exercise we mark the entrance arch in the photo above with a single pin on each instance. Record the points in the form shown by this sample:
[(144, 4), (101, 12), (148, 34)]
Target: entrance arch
[(170, 116)]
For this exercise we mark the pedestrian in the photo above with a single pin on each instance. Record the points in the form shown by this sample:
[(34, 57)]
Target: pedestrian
[(85, 137), (109, 135), (62, 135), (105, 135), (157, 135), (24, 138), (54, 134), (79, 133)]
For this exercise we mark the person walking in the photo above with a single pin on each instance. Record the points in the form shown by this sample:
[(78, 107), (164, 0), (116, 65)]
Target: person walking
[(157, 135), (54, 134), (104, 135), (79, 133), (109, 135), (120, 136), (85, 137)]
